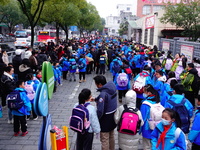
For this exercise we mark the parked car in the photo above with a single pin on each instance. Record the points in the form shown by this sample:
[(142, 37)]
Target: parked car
[(6, 47), (22, 43), (37, 45)]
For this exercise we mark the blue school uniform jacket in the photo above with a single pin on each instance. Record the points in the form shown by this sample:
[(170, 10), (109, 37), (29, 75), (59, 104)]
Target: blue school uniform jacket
[(145, 111), (194, 134), (171, 141), (25, 110), (84, 61)]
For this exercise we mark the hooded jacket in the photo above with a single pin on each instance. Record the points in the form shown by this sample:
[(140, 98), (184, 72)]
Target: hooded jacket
[(41, 57), (23, 71), (187, 81), (17, 61), (25, 110), (106, 106), (128, 142)]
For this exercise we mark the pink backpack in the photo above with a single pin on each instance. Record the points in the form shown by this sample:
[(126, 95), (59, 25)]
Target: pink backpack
[(129, 122), (30, 90)]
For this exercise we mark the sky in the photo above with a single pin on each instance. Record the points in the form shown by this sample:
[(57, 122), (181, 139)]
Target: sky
[(109, 7)]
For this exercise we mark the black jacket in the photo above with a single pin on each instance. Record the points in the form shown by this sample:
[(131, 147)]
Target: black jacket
[(17, 61)]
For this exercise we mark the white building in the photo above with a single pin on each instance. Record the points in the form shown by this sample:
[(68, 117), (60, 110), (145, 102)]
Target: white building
[(124, 8), (112, 25)]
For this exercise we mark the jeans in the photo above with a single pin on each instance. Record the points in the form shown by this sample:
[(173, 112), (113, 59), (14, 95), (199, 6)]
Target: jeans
[(72, 74)]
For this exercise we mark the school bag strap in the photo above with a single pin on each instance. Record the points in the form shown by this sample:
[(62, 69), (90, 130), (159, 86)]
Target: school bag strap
[(173, 103), (177, 134)]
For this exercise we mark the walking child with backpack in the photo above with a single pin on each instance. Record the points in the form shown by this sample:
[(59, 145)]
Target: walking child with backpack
[(84, 121), (151, 113), (129, 120), (181, 106), (31, 87), (20, 105), (102, 63), (122, 83), (115, 66), (167, 135), (82, 65), (194, 134), (72, 68)]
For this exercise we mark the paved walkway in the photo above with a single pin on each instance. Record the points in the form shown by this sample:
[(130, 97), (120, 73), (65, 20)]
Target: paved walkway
[(60, 107)]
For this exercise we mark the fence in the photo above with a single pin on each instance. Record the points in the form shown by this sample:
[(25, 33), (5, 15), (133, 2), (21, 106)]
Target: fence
[(189, 49)]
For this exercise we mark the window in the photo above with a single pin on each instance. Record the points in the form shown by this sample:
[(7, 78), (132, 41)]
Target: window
[(113, 30), (118, 21), (146, 9), (145, 36), (128, 9), (157, 8), (151, 36)]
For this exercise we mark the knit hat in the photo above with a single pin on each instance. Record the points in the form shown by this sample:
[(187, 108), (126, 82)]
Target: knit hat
[(18, 51)]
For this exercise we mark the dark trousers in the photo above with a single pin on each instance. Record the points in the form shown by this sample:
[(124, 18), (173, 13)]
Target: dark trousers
[(138, 103), (190, 96), (81, 74), (33, 112), (20, 120), (121, 93), (3, 99), (102, 68), (84, 141), (195, 146), (65, 75), (97, 68)]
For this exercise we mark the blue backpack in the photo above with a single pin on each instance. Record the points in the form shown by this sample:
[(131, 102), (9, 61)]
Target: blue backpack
[(81, 65), (79, 121), (182, 114), (73, 65), (102, 60), (14, 100), (116, 66)]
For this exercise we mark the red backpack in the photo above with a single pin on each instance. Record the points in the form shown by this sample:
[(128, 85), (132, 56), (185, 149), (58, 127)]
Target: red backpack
[(129, 122)]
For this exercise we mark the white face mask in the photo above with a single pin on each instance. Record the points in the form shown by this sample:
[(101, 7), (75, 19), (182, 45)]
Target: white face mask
[(165, 122)]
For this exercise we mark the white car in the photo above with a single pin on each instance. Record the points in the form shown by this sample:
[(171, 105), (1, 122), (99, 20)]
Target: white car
[(22, 43)]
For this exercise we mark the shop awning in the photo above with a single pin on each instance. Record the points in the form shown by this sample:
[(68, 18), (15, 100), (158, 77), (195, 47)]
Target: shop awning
[(134, 25)]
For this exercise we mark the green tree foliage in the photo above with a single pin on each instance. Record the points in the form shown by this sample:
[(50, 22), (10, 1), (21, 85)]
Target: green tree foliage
[(11, 15), (89, 18), (32, 10), (123, 28), (185, 16)]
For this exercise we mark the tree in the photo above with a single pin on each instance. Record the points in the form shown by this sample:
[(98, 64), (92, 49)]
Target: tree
[(32, 9), (184, 16), (11, 15), (123, 28)]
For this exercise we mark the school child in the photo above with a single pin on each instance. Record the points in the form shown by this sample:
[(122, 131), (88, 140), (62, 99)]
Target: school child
[(167, 135), (168, 63), (181, 67), (194, 134), (115, 66), (82, 65), (102, 63), (151, 96), (122, 83), (55, 76), (65, 67), (72, 68), (39, 75), (20, 114), (126, 141), (31, 87), (84, 140)]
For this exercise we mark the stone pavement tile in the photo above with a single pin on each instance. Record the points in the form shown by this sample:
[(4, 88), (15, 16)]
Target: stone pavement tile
[(15, 147), (30, 147)]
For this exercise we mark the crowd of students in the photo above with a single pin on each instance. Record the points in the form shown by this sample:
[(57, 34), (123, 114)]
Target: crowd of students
[(142, 75)]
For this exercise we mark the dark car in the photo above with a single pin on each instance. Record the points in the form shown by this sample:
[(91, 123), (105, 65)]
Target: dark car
[(6, 47)]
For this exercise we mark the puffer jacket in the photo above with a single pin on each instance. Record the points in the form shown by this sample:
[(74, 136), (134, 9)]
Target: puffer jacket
[(128, 142)]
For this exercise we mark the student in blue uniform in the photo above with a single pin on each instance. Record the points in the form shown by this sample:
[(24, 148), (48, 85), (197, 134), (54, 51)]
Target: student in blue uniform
[(166, 135)]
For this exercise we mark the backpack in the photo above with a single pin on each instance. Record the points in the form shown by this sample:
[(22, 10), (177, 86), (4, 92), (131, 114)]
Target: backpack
[(129, 122), (122, 80), (168, 64), (141, 60), (139, 83), (61, 62), (155, 114), (14, 100), (30, 90), (182, 114), (102, 60), (73, 65), (79, 121), (81, 65), (116, 66), (128, 70)]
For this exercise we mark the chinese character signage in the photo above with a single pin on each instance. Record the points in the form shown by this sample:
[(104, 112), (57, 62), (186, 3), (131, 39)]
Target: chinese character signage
[(149, 23), (188, 52)]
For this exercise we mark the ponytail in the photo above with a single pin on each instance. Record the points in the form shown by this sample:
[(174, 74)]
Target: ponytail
[(149, 88)]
